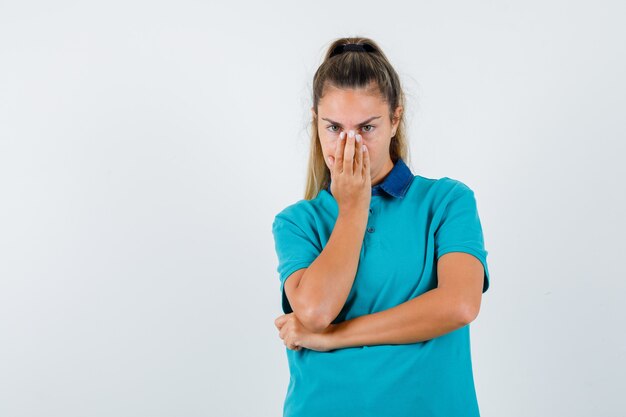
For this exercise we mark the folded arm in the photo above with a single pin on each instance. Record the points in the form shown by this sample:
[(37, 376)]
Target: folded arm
[(453, 304), (318, 293)]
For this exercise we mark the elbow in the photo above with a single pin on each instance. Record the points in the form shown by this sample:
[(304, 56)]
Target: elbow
[(310, 313), (467, 313), (314, 320)]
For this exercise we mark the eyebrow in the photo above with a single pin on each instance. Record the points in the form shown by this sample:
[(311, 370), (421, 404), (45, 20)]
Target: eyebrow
[(360, 124)]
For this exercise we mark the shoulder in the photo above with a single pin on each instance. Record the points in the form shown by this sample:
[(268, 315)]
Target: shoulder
[(442, 186), (444, 183), (301, 213), (438, 193), (294, 210), (453, 186)]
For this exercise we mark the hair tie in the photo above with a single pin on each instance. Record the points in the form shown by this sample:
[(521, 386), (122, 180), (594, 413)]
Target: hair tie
[(355, 47)]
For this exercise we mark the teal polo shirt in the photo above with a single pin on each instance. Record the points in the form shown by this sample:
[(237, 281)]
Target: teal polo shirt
[(413, 220)]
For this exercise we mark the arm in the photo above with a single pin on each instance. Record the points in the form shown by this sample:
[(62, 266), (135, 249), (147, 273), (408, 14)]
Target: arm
[(322, 289), (453, 304)]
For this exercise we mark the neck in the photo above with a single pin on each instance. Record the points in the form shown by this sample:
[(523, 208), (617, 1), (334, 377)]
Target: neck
[(380, 176)]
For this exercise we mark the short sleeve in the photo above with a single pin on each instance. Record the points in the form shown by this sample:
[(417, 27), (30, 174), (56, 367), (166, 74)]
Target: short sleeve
[(295, 250), (460, 229)]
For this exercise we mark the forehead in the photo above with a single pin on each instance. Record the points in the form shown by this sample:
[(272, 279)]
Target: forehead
[(348, 103)]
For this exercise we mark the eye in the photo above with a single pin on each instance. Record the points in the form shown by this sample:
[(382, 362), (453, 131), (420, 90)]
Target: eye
[(333, 128)]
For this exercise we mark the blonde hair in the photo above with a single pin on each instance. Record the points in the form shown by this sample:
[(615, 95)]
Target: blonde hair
[(354, 69)]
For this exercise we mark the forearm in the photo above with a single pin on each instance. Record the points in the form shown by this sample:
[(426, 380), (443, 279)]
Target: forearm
[(325, 285), (432, 314)]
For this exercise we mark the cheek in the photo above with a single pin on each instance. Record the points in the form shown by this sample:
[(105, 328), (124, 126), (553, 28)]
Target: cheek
[(329, 144), (373, 143)]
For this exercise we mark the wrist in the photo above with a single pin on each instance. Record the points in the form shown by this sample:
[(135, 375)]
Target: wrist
[(355, 216), (333, 336)]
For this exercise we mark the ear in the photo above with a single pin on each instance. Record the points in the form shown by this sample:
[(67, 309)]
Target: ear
[(397, 114), (313, 115), (396, 119)]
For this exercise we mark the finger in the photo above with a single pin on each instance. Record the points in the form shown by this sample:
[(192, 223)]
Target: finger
[(287, 341), (280, 321), (348, 154), (358, 154), (338, 160), (366, 161)]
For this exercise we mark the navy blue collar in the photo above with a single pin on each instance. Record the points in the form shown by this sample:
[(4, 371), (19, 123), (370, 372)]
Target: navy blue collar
[(395, 184)]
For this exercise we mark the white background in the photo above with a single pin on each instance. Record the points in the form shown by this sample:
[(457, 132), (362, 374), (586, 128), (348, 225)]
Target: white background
[(145, 147)]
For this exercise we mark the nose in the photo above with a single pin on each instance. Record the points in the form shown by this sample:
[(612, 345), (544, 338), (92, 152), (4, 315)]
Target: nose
[(348, 133)]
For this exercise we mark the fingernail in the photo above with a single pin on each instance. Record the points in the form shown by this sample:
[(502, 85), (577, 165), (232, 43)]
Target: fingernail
[(351, 133), (342, 135), (358, 138)]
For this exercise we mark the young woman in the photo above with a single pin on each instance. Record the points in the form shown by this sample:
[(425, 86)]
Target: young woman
[(381, 270)]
